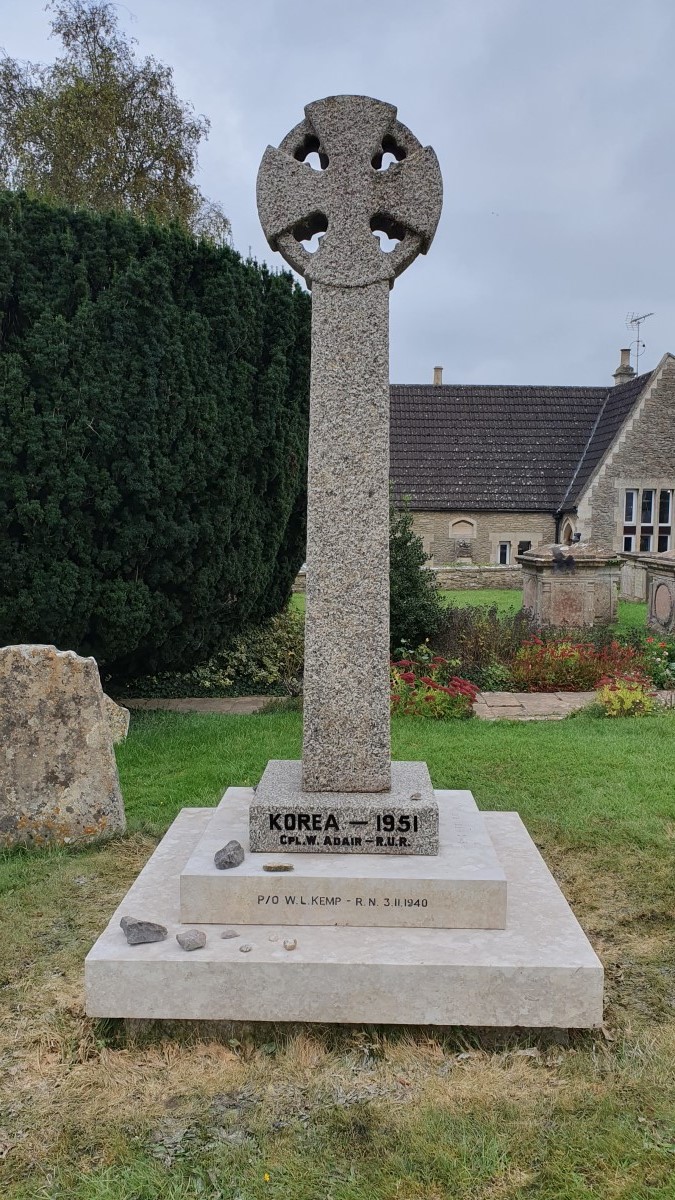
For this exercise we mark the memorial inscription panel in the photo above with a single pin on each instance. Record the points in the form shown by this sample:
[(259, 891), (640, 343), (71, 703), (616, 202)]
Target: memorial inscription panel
[(403, 820), (463, 886)]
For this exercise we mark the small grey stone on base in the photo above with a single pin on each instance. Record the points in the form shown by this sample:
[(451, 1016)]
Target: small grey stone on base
[(402, 820), (229, 933), (231, 855), (245, 947), (191, 939), (290, 943), (137, 931)]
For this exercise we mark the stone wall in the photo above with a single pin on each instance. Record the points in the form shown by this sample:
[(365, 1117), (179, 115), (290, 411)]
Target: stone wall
[(643, 456), (449, 536), (472, 578), (461, 577)]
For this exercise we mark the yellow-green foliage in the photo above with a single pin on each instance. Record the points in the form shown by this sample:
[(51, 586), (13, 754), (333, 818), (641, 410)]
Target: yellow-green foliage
[(626, 698)]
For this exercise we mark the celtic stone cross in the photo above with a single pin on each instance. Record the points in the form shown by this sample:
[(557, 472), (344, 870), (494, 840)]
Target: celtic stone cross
[(349, 200)]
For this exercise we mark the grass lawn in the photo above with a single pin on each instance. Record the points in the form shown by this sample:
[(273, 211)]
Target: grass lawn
[(134, 1111), (509, 600)]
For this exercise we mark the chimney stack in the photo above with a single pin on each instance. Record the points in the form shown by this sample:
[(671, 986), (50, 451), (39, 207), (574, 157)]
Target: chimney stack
[(438, 376), (624, 371)]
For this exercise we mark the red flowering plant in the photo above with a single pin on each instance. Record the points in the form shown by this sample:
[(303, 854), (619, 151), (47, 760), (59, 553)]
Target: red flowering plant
[(423, 685), (566, 666)]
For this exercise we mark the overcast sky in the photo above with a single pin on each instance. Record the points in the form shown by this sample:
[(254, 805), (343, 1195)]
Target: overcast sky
[(554, 124)]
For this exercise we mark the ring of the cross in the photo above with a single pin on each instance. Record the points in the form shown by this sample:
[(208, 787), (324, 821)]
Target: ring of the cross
[(350, 196)]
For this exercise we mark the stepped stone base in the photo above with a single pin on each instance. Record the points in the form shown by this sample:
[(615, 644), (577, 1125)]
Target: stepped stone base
[(463, 886), (538, 971), (402, 820)]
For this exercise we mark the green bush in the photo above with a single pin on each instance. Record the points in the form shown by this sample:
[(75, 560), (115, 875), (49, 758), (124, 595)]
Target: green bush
[(414, 606), (659, 659), (263, 660), (153, 427), (483, 641)]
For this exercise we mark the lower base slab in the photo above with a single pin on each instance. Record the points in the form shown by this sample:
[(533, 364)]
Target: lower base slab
[(539, 971)]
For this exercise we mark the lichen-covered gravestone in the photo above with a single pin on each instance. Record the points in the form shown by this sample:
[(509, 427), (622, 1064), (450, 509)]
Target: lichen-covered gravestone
[(58, 776), (355, 195)]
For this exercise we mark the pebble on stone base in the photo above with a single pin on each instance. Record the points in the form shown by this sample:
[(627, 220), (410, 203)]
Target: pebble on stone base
[(191, 939), (245, 947), (137, 932), (230, 933), (290, 943), (231, 855)]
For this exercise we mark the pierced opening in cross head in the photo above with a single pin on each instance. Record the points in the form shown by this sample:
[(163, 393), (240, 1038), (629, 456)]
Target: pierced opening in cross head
[(310, 231), (388, 231), (390, 152), (309, 151)]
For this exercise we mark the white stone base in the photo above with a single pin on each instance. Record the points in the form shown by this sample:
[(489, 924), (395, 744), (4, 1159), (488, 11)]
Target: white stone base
[(538, 971), (461, 887)]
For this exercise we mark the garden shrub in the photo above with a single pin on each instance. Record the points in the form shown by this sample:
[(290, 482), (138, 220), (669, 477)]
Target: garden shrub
[(265, 659), (659, 660), (153, 426), (482, 640), (415, 609), (625, 696), (424, 685), (562, 665)]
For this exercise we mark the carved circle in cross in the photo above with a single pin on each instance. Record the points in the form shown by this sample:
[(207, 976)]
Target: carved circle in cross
[(351, 198)]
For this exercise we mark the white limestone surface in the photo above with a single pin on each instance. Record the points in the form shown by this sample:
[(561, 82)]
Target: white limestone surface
[(539, 971), (464, 886)]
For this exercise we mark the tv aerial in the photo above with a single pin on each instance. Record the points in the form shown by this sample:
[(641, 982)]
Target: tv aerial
[(633, 322)]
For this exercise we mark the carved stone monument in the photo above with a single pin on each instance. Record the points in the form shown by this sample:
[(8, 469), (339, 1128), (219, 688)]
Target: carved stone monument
[(352, 197), (575, 586), (660, 572), (399, 903)]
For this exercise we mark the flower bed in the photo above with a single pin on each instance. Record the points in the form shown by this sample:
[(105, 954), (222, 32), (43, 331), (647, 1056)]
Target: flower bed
[(425, 686), (565, 666)]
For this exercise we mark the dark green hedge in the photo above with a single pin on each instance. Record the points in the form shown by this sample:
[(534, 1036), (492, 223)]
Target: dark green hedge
[(153, 427)]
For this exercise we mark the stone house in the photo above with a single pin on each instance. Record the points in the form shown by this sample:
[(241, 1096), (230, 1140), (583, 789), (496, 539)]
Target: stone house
[(490, 472)]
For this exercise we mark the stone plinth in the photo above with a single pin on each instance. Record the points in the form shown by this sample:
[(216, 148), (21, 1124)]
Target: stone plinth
[(575, 586), (58, 776), (538, 971), (463, 887), (403, 820)]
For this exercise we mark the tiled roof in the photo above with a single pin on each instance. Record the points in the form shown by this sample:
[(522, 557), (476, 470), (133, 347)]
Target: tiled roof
[(618, 405), (505, 448)]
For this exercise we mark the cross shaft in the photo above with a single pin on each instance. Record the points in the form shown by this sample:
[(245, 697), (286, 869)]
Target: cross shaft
[(346, 745)]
